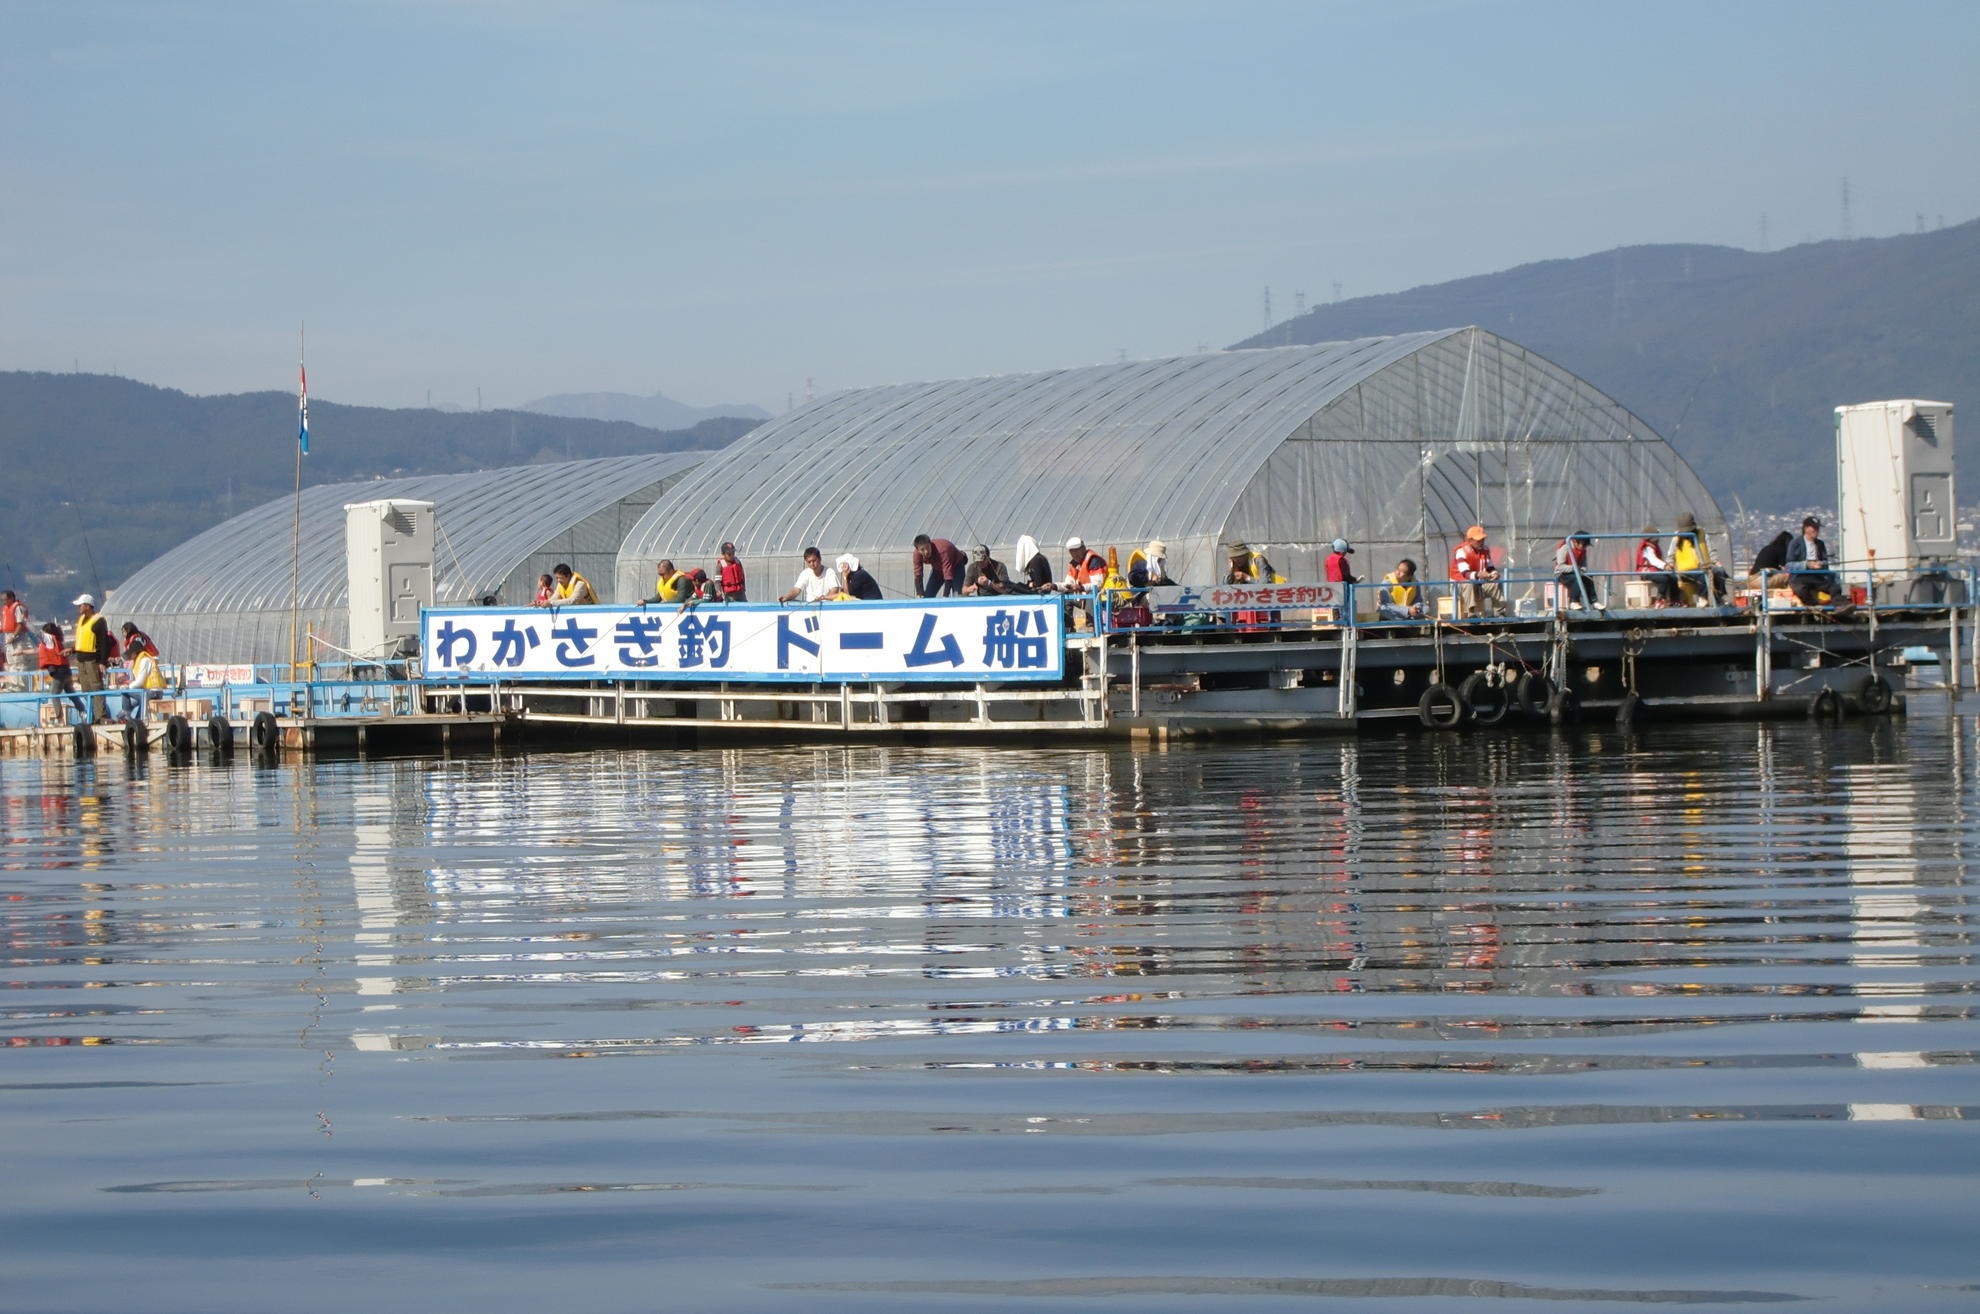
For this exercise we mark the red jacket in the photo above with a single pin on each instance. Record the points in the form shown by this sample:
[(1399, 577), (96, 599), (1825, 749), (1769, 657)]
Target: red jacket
[(1471, 561)]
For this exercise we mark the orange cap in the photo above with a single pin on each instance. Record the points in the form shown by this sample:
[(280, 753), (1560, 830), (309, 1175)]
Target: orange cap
[(1476, 531)]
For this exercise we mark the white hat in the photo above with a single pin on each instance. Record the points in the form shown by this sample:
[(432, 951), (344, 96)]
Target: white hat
[(86, 600), (1075, 543)]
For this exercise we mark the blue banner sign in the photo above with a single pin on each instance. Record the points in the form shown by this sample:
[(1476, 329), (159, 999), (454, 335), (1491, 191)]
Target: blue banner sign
[(969, 639)]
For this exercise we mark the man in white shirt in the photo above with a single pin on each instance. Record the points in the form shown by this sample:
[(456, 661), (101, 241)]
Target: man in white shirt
[(814, 583)]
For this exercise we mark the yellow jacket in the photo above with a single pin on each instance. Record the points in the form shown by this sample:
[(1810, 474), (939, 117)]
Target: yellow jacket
[(577, 593)]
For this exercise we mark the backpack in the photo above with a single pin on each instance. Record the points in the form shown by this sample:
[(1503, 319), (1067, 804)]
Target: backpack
[(106, 643)]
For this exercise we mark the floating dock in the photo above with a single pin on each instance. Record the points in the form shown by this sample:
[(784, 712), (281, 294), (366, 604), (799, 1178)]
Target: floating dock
[(1051, 667)]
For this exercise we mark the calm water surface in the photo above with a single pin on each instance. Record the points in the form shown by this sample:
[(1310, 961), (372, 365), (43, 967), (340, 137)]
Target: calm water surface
[(1520, 1022)]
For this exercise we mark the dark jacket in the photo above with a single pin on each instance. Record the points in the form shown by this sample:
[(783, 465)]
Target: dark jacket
[(1773, 556), (861, 585), (1799, 553)]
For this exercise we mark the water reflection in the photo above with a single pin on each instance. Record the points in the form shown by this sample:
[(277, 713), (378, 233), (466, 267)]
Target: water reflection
[(1270, 977)]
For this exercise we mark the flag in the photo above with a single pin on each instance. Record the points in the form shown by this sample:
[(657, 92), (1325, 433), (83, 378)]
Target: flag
[(302, 407)]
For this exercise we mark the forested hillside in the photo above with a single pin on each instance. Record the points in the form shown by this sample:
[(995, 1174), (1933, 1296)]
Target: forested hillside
[(101, 474), (1738, 357)]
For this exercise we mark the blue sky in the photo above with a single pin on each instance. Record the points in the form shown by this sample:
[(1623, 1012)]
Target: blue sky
[(723, 200)]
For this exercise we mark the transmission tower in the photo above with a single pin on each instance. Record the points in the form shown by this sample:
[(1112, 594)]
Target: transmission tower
[(1268, 305), (1299, 298), (1337, 289), (1848, 228)]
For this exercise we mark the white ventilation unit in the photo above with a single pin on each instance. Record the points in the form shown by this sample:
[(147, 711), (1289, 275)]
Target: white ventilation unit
[(388, 547), (1894, 476)]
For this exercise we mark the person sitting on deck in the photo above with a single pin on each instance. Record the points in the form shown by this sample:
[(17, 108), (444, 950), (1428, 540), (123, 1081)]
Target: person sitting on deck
[(1338, 570), (855, 584), (145, 675), (1571, 570), (1034, 568), (986, 576), (1085, 568), (1477, 575), (1650, 564), (1257, 569), (1691, 558), (942, 563), (573, 589), (1809, 568), (1770, 562), (814, 583), (1148, 567), (1400, 598), (546, 592)]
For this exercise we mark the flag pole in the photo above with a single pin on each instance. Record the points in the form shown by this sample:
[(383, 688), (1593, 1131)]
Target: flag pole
[(295, 546)]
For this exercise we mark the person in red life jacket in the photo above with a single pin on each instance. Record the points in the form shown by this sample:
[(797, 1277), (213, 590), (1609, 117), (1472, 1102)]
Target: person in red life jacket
[(731, 575), (53, 660), (1338, 571), (1650, 564), (546, 591), (1571, 570), (16, 640), (1477, 576), (1085, 568), (135, 641), (938, 567)]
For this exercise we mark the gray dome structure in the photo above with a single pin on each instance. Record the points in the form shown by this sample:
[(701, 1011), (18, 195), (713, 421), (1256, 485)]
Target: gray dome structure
[(223, 595), (1396, 443)]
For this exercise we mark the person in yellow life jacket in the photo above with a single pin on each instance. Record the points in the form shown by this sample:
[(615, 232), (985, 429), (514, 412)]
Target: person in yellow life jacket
[(1691, 560), (145, 677), (573, 589), (1252, 565), (672, 585), (93, 648), (1400, 597)]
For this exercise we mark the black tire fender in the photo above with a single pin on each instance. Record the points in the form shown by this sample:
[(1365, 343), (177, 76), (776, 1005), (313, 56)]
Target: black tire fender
[(1440, 707), (137, 736), (1488, 702), (1874, 697), (82, 738), (265, 732), (1825, 705), (220, 733), (1534, 690), (1563, 708), (178, 733), (1627, 709)]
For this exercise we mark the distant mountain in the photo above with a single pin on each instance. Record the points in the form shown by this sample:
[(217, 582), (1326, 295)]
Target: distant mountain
[(656, 412), (1738, 357), (102, 474)]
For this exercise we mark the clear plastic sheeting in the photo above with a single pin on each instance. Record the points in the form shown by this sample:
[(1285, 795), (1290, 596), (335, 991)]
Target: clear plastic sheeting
[(1396, 443), (223, 596)]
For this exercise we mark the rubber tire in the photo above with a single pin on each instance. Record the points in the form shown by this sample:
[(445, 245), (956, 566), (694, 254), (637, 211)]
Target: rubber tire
[(82, 738), (265, 732), (1563, 708), (178, 734), (1440, 707), (219, 733), (1875, 696), (1488, 703), (137, 737), (1824, 706), (1534, 690), (1627, 709)]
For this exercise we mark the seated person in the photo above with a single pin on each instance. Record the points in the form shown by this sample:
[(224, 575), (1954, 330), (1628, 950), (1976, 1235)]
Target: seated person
[(1691, 558), (1034, 569), (855, 584), (1148, 567), (1650, 564), (985, 575), (1808, 566), (1400, 597), (1571, 570)]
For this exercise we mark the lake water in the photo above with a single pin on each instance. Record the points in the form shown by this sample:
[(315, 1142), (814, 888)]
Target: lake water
[(1503, 1021)]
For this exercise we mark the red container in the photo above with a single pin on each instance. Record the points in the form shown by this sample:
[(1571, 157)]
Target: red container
[(1859, 595)]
